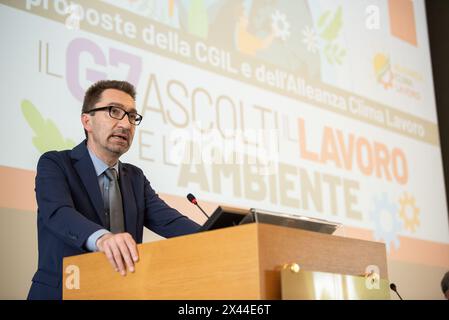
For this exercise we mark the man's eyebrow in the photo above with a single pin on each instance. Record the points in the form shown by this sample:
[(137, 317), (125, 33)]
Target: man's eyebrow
[(116, 104)]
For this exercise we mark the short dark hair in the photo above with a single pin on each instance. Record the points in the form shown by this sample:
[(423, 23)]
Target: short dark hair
[(445, 283), (93, 94)]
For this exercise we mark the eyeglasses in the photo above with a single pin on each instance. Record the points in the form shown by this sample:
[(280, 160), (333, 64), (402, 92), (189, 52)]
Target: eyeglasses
[(118, 113)]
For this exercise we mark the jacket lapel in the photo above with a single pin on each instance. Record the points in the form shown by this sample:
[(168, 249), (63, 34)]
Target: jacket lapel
[(86, 171), (129, 201)]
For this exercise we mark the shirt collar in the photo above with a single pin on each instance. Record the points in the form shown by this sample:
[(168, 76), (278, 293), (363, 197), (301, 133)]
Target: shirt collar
[(99, 165)]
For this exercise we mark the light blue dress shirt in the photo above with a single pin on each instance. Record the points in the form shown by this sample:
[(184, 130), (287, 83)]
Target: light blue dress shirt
[(100, 168)]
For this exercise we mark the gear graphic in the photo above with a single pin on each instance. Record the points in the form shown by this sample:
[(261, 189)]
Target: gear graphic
[(408, 204), (386, 222), (280, 25)]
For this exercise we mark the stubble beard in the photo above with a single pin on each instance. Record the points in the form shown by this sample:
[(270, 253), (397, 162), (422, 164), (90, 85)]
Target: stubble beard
[(115, 148)]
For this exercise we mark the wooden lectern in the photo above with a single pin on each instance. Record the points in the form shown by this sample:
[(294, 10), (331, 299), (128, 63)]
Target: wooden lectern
[(241, 262)]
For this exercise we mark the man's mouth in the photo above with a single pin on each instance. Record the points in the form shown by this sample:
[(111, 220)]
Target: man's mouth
[(120, 137)]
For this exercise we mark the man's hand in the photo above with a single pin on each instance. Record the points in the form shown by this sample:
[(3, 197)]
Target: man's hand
[(119, 248)]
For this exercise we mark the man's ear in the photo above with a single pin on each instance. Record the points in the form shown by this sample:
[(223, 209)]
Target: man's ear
[(85, 120)]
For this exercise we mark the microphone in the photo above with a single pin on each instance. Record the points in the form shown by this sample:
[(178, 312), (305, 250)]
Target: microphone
[(193, 200), (393, 287)]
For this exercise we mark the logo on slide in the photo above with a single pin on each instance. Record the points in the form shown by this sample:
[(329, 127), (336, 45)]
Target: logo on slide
[(401, 79), (409, 212), (382, 69), (386, 222)]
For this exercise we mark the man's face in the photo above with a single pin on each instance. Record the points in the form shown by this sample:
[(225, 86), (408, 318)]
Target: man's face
[(107, 135)]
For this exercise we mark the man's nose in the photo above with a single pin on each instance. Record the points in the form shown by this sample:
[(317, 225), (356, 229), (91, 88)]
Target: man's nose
[(124, 123)]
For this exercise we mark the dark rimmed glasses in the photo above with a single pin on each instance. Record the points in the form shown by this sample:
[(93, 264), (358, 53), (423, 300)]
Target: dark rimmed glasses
[(118, 113)]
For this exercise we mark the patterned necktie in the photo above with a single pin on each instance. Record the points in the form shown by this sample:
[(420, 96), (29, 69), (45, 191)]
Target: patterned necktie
[(115, 203)]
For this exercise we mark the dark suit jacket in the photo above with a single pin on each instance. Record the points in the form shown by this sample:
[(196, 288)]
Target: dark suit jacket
[(70, 209)]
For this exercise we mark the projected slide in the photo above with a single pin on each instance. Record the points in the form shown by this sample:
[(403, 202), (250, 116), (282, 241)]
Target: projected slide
[(319, 108)]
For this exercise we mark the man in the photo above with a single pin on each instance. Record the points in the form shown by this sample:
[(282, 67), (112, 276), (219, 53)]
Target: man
[(445, 285), (90, 201)]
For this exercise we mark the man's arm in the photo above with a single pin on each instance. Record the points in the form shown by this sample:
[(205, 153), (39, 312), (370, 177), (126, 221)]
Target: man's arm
[(164, 220), (56, 208)]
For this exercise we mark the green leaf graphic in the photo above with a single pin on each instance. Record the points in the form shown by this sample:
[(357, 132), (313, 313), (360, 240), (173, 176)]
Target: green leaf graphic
[(323, 18), (47, 135), (331, 31)]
